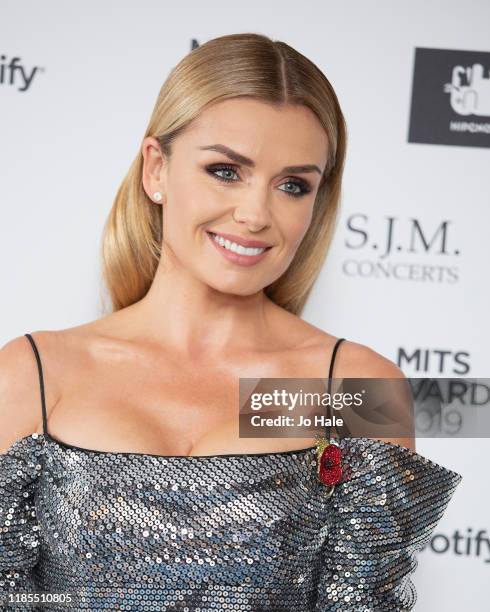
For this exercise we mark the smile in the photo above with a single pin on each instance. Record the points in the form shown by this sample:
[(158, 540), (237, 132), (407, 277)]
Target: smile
[(237, 248), (237, 253)]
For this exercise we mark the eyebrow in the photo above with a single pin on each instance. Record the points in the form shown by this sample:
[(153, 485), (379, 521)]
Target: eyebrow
[(246, 161)]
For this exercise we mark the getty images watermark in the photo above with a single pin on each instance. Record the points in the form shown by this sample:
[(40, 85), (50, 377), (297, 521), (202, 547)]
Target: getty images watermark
[(291, 401), (358, 407)]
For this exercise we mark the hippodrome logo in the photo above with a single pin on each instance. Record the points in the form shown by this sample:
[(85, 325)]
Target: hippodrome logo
[(16, 75), (450, 98), (394, 241), (467, 544), (469, 91)]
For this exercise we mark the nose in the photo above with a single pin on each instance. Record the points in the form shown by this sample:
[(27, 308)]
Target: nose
[(253, 211)]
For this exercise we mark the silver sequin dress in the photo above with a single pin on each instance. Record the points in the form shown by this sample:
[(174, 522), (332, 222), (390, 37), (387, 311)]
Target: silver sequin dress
[(248, 533)]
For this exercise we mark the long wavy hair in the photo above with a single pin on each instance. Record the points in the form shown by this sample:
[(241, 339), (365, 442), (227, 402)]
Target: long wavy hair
[(226, 67)]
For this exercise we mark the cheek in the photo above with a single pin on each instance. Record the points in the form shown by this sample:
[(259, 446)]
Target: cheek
[(295, 225), (182, 213), (191, 202)]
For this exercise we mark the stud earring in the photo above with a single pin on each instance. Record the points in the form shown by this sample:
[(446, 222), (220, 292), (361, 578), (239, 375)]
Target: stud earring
[(157, 196)]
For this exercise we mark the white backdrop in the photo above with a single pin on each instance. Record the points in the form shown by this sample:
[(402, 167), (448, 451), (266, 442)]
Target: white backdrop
[(68, 139)]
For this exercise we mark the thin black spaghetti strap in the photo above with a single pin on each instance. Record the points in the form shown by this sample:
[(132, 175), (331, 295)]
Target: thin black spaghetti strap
[(332, 361), (41, 381), (330, 373)]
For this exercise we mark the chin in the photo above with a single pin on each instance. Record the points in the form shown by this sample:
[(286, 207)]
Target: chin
[(235, 288)]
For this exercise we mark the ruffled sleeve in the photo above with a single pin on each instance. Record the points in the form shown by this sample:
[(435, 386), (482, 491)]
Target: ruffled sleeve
[(381, 515), (20, 467)]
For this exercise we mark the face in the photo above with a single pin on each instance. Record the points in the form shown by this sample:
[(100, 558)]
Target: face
[(238, 191)]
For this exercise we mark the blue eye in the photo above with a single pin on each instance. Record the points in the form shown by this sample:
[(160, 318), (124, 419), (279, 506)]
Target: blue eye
[(213, 169), (302, 188), (227, 169)]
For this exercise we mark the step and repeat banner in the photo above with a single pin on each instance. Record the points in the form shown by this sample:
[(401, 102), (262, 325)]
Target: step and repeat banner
[(407, 273)]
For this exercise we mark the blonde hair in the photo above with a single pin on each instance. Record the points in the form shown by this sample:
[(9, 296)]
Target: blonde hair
[(226, 67)]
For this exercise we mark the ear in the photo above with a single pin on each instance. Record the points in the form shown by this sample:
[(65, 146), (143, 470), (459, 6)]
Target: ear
[(154, 170)]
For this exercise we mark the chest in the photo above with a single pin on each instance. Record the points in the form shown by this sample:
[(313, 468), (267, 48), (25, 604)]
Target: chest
[(133, 403)]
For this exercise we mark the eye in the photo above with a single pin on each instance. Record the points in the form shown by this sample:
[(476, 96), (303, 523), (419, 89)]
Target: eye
[(227, 170), (300, 187)]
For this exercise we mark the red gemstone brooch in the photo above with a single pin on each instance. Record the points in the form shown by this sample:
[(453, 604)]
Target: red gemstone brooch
[(329, 465)]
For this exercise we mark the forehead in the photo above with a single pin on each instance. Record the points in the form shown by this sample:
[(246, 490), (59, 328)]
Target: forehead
[(288, 133)]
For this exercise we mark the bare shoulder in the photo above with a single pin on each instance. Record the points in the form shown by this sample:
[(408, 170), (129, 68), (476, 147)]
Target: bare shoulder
[(353, 360), (357, 360), (60, 352), (20, 398)]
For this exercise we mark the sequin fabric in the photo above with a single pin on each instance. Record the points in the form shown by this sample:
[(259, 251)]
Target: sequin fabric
[(255, 532)]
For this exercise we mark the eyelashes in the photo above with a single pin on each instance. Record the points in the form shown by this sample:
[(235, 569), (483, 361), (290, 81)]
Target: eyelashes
[(227, 168)]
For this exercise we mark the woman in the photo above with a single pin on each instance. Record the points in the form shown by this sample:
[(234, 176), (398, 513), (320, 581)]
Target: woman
[(127, 486)]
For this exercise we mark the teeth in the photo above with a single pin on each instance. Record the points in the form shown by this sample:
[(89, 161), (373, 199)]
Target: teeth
[(237, 248)]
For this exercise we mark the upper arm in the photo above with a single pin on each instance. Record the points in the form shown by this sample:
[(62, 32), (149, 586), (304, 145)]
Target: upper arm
[(359, 361), (20, 400)]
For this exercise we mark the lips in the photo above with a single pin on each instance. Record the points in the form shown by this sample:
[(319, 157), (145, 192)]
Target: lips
[(234, 257), (245, 242)]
